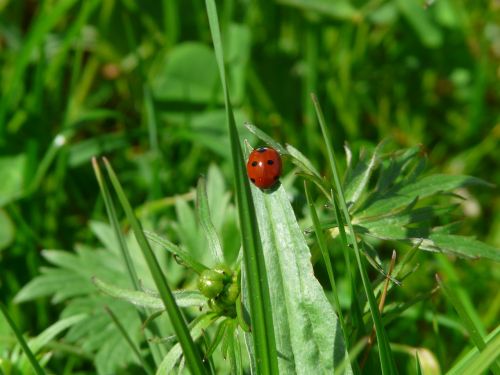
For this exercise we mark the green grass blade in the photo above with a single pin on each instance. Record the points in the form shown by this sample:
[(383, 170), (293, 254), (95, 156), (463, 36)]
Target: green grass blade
[(190, 350), (386, 358), (326, 258), (129, 340), (31, 357), (486, 358), (460, 366), (156, 350), (472, 328), (110, 208), (258, 288)]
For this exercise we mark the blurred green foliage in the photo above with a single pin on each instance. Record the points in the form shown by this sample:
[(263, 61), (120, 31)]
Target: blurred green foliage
[(138, 82)]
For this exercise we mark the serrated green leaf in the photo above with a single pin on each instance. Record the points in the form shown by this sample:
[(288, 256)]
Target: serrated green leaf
[(464, 246), (308, 333), (36, 344), (98, 335), (358, 177), (401, 196), (183, 298)]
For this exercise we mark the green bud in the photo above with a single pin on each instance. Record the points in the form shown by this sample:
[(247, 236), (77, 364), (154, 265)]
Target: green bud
[(210, 283)]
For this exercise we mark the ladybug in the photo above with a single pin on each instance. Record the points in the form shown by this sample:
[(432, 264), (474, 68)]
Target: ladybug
[(264, 167)]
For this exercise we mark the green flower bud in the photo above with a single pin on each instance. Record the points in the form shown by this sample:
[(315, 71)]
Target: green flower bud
[(211, 283)]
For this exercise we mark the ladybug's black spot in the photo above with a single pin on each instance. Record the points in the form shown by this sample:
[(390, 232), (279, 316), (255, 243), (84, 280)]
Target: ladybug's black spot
[(254, 164), (270, 162), (276, 177), (262, 149), (253, 180)]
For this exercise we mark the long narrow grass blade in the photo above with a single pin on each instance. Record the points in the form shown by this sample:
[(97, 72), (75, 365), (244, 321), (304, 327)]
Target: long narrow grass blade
[(258, 288), (156, 350), (386, 358), (485, 358), (465, 361), (191, 352), (129, 340), (326, 258), (474, 331), (31, 357)]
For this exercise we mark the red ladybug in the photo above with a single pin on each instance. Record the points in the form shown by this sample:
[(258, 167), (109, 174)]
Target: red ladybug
[(264, 167)]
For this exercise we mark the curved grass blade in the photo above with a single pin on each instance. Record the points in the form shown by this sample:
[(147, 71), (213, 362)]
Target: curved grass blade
[(156, 350), (484, 359), (460, 366), (191, 352), (387, 363), (326, 258), (258, 287), (473, 330), (266, 138), (31, 357)]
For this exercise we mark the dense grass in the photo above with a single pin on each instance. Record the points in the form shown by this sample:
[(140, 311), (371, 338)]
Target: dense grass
[(140, 85)]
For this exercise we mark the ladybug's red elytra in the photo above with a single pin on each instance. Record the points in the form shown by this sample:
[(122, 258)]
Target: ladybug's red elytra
[(264, 167)]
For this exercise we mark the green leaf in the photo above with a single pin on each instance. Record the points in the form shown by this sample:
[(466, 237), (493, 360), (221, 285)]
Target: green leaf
[(402, 195), (183, 298), (130, 341), (302, 162), (185, 73), (12, 170), (358, 177), (308, 334), (97, 334), (464, 246), (185, 258), (203, 211), (7, 230)]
